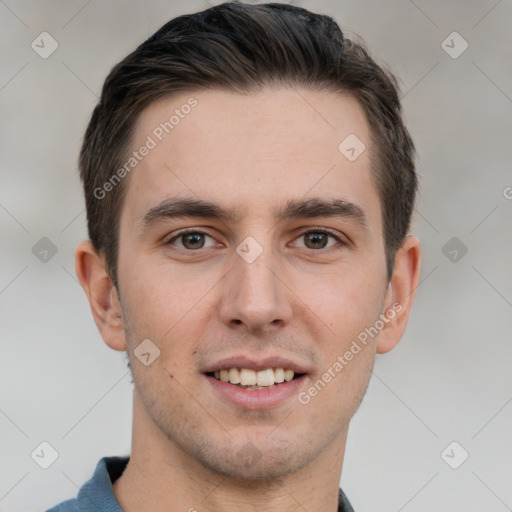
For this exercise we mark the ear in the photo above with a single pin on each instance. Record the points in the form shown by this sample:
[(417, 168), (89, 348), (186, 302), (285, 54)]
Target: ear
[(400, 294), (100, 290)]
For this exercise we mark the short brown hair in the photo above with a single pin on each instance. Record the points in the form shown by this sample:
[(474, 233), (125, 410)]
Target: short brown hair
[(243, 48)]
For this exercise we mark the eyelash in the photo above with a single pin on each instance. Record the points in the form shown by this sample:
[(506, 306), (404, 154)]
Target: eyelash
[(322, 231)]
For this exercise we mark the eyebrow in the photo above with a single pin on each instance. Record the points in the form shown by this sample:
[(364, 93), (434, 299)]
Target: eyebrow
[(316, 207), (180, 207)]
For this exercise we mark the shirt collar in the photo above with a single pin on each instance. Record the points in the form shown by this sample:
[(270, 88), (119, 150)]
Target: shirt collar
[(97, 493)]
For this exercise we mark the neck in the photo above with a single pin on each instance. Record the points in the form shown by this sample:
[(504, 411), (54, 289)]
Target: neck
[(162, 477)]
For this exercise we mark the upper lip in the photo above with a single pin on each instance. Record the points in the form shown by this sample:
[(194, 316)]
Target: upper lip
[(256, 364)]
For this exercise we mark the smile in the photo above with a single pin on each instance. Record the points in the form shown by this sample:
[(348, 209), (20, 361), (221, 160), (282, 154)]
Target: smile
[(251, 379)]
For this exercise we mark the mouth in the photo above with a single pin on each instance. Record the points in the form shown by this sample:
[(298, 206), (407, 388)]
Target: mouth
[(248, 378), (256, 383)]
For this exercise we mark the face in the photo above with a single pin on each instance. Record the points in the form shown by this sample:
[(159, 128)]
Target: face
[(249, 243)]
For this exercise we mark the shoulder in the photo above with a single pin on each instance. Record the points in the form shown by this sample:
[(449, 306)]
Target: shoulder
[(97, 494)]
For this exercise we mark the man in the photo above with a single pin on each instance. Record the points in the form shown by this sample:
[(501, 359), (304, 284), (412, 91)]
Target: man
[(249, 185)]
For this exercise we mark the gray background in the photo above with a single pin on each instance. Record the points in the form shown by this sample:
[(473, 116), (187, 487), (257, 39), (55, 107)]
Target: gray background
[(448, 380)]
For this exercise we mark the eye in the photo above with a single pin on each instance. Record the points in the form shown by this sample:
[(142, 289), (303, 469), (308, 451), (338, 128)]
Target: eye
[(319, 239), (191, 240)]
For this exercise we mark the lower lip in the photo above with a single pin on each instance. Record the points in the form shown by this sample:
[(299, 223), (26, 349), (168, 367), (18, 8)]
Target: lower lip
[(257, 398)]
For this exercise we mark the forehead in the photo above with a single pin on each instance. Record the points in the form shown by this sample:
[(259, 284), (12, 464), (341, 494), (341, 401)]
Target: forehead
[(252, 151)]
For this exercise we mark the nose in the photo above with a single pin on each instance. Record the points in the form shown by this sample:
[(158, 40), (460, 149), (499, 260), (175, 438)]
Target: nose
[(255, 296)]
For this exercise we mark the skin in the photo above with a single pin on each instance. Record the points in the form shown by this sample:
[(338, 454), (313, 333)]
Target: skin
[(200, 305)]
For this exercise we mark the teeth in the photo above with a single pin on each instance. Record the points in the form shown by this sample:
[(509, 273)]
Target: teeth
[(265, 377), (278, 375), (248, 377), (234, 376)]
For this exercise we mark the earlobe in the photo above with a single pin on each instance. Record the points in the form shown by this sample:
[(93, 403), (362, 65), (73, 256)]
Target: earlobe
[(102, 295), (401, 293)]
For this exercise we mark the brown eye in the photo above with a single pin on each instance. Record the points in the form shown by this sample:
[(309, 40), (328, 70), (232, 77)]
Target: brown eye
[(193, 240), (319, 239), (315, 240)]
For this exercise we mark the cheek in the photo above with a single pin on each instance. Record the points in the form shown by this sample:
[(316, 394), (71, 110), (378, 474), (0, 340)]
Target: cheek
[(346, 300), (349, 304), (160, 296), (170, 309)]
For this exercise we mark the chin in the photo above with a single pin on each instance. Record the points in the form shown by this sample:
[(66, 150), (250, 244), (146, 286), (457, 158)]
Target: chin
[(268, 467), (257, 460)]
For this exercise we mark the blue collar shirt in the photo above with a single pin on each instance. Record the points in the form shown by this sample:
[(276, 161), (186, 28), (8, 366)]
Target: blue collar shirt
[(97, 495)]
